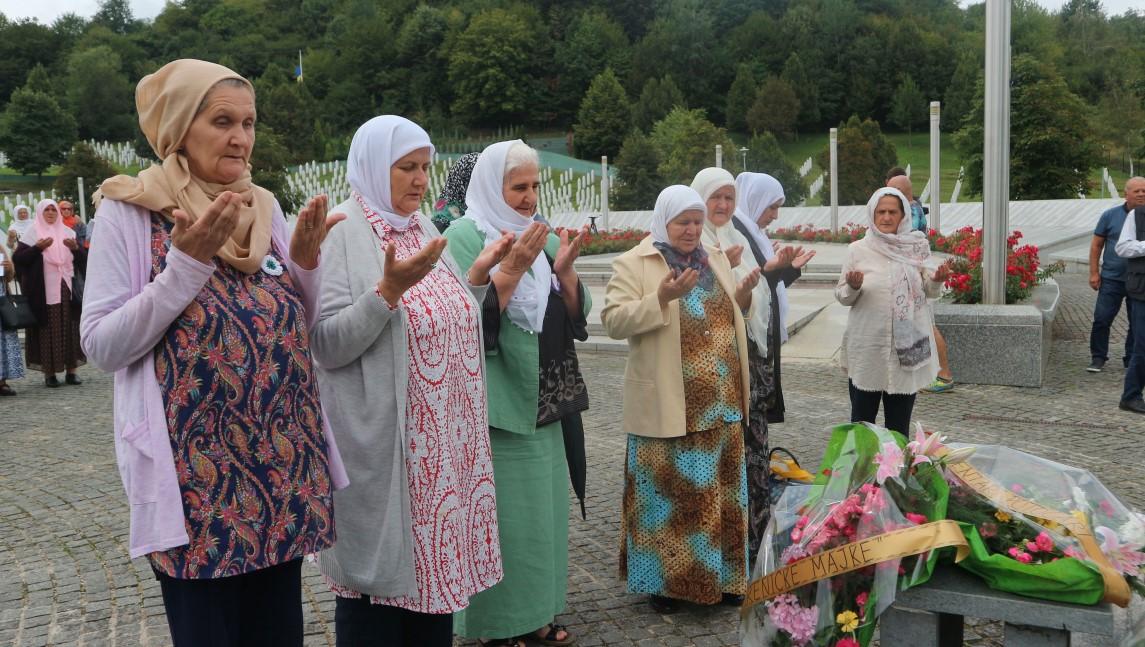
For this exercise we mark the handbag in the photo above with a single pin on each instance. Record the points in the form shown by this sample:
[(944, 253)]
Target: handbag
[(77, 290), (16, 312)]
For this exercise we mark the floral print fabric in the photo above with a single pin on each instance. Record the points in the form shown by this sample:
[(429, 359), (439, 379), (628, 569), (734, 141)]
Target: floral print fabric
[(245, 423)]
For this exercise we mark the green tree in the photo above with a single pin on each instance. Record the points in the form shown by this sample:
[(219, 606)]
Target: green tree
[(99, 95), (286, 106), (268, 169), (1051, 143), (959, 97), (741, 96), (685, 142), (765, 156), (638, 181), (40, 81), (115, 15), (35, 132), (594, 41), (795, 73), (657, 99), (865, 154), (603, 119), (908, 106), (775, 109), (82, 162), (23, 45), (491, 68)]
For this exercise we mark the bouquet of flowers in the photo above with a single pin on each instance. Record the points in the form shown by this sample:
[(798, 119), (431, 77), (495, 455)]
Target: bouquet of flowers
[(1046, 530), (836, 551)]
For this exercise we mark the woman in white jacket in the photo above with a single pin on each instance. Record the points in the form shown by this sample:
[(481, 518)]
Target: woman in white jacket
[(888, 350)]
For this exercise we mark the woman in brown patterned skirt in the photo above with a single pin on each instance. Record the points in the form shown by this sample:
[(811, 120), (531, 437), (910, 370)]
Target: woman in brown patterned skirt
[(47, 262)]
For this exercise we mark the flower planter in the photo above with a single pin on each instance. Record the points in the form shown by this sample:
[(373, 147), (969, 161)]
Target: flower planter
[(1007, 345)]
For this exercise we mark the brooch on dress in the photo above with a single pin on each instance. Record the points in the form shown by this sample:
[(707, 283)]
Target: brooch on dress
[(271, 266)]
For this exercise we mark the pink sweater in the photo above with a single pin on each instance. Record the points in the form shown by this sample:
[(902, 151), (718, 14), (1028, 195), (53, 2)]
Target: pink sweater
[(125, 315)]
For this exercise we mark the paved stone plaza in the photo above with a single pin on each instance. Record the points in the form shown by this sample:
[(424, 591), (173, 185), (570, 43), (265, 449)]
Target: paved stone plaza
[(65, 578)]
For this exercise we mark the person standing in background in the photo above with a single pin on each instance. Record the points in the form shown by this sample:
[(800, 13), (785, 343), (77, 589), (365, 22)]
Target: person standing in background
[(1107, 276)]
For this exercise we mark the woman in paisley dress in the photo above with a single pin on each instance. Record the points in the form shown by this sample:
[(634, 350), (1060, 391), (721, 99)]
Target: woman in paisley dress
[(532, 313), (203, 311), (401, 366), (685, 506)]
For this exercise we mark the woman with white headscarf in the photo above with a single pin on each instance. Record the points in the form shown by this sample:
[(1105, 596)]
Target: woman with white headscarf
[(686, 389), (758, 198), (888, 351), (21, 221), (534, 310), (401, 370)]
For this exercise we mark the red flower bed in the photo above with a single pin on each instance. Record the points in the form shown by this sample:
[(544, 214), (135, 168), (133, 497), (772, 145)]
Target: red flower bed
[(609, 242)]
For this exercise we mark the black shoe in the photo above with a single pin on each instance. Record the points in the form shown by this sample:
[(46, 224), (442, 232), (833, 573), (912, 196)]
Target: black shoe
[(732, 600), (663, 605), (1096, 365), (73, 379), (1136, 406), (51, 382)]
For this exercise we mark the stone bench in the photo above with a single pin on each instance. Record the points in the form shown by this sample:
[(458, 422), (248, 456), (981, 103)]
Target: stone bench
[(931, 615)]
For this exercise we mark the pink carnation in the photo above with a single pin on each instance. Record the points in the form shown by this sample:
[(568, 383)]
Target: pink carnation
[(1025, 558), (916, 518), (847, 642), (1045, 542)]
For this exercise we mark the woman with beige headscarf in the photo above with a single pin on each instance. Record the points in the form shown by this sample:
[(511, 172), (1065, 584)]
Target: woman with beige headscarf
[(203, 311)]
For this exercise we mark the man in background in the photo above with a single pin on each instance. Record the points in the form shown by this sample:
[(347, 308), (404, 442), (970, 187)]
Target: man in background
[(1109, 279)]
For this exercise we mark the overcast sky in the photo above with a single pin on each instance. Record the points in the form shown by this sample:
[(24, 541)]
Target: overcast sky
[(46, 11)]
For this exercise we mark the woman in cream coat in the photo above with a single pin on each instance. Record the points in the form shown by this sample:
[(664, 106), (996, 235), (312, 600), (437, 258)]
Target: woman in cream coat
[(685, 400)]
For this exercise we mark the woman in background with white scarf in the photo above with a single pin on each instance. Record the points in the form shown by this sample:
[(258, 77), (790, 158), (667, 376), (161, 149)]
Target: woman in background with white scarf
[(758, 198), (21, 221), (888, 351)]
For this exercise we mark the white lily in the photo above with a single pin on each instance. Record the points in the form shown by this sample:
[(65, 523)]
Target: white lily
[(958, 455)]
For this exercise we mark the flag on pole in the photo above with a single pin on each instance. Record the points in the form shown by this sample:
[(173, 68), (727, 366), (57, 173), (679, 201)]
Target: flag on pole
[(298, 69)]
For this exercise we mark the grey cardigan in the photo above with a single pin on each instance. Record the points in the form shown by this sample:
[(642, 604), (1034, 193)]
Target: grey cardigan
[(359, 347)]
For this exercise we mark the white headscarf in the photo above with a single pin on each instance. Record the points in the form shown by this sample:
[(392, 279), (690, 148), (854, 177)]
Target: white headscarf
[(21, 226), (754, 193), (909, 253), (378, 144), (724, 236), (672, 202), (485, 206)]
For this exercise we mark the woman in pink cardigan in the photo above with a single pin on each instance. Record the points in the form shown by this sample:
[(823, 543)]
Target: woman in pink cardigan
[(203, 311)]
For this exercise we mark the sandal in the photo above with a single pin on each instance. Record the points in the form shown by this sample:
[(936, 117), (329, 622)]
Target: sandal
[(550, 638), (6, 390)]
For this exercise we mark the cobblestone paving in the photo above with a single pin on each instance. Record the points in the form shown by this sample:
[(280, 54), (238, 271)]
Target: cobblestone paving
[(65, 578)]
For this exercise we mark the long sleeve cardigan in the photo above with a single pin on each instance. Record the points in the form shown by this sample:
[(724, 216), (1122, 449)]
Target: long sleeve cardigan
[(360, 347), (125, 315)]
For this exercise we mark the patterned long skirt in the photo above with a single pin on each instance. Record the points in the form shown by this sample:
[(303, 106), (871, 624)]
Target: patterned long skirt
[(54, 345), (757, 450), (684, 517)]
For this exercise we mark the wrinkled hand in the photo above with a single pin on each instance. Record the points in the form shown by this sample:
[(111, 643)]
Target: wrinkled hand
[(802, 258), (402, 275), (12, 237), (310, 230), (202, 239), (676, 284), (490, 256), (784, 255), (855, 279), (9, 268), (569, 251), (1095, 281), (734, 254), (942, 273), (525, 250), (743, 290), (70, 243), (43, 243)]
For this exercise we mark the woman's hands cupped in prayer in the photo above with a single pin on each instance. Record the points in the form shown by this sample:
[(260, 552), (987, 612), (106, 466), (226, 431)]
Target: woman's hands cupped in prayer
[(676, 284), (784, 255), (734, 254), (942, 273), (490, 257), (401, 275), (525, 250), (43, 243), (569, 251), (310, 230), (743, 290), (202, 239), (70, 243), (802, 257), (855, 279)]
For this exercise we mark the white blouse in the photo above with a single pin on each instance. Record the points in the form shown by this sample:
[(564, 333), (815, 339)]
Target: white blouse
[(868, 356)]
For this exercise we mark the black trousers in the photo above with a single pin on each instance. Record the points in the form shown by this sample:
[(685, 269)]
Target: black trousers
[(897, 408), (263, 608), (357, 623)]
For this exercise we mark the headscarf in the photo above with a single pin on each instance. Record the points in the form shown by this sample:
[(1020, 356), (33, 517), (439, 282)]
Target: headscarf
[(21, 226), (908, 252), (725, 236), (450, 204), (670, 204), (377, 146), (486, 207), (168, 101), (57, 257), (754, 193)]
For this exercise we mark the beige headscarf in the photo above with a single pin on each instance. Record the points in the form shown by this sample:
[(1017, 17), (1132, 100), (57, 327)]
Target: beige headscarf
[(167, 102)]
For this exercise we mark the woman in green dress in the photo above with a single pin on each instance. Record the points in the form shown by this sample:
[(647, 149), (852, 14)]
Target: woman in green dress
[(533, 311)]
